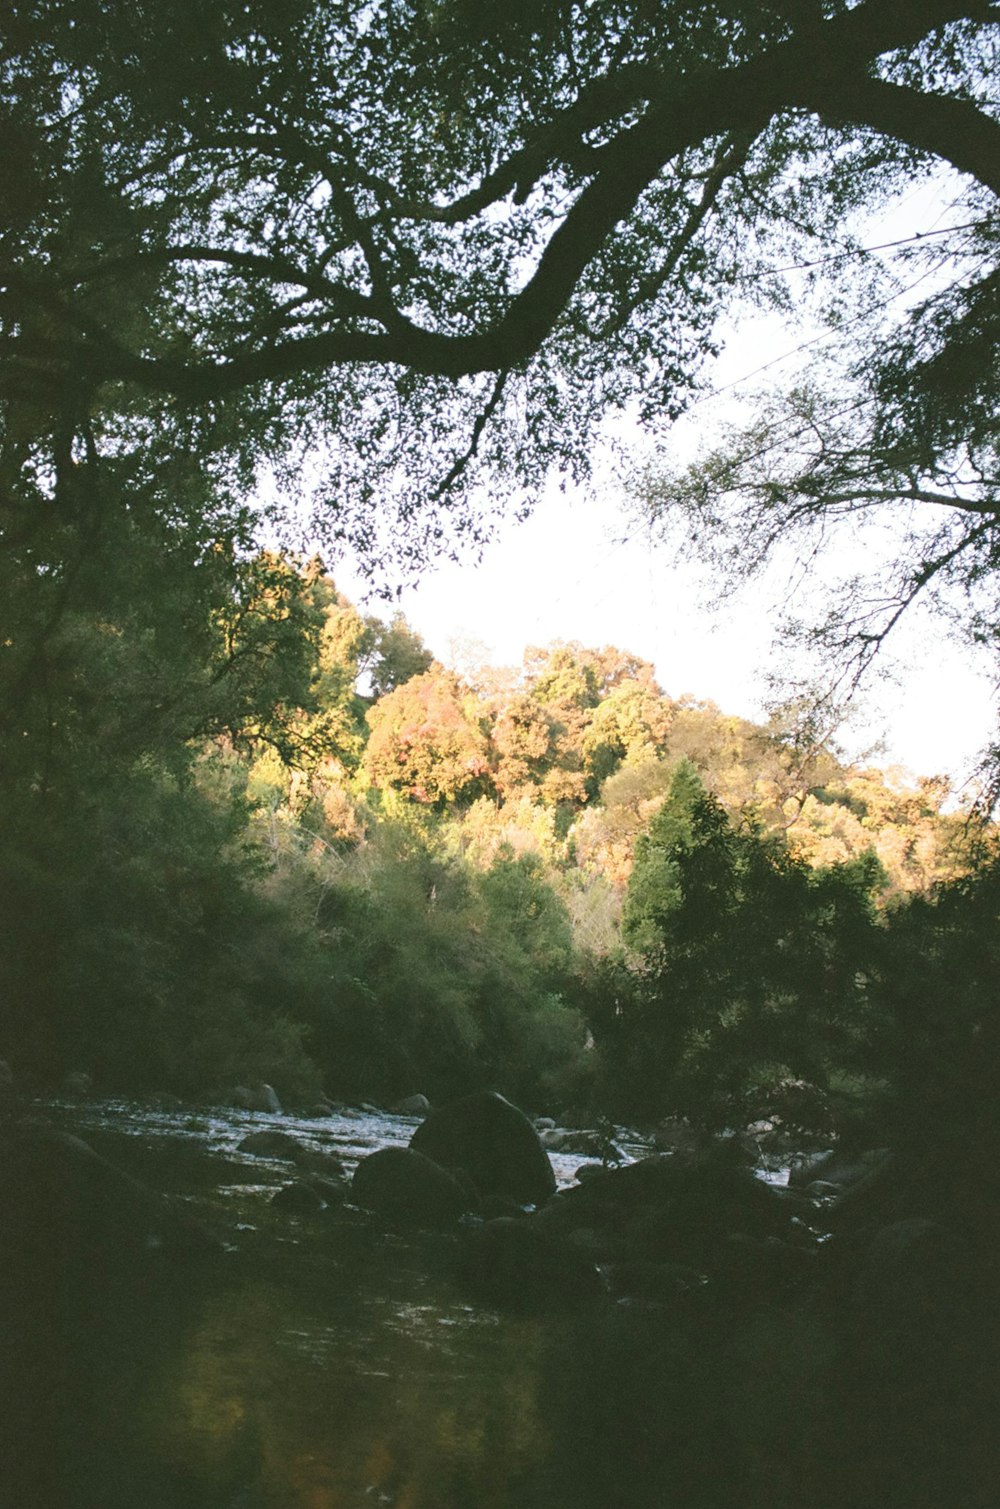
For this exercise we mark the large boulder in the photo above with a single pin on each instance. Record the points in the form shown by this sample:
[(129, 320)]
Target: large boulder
[(402, 1185), (835, 1166), (78, 1083), (670, 1207), (916, 1286), (65, 1208), (412, 1105), (298, 1199), (491, 1141), (588, 1144), (512, 1261), (271, 1144)]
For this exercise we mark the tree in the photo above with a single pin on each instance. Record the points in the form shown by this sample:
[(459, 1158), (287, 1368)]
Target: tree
[(426, 741), (749, 967), (938, 1042), (523, 736), (629, 725), (654, 888), (399, 654), (902, 456), (358, 659), (447, 240), (919, 844)]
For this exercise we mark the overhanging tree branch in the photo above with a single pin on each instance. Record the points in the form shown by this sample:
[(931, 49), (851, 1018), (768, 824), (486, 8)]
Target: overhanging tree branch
[(955, 130), (820, 63)]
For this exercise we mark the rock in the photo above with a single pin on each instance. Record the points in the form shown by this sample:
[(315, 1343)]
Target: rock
[(670, 1207), (493, 1142), (569, 1220), (764, 1265), (920, 1353), (588, 1171), (78, 1083), (822, 1189), (315, 1161), (761, 1128), (544, 1124), (869, 1195), (915, 1281), (271, 1144), (403, 1185), (413, 1105), (261, 1097), (661, 1282), (493, 1205), (835, 1166), (513, 1262), (675, 1135), (587, 1143), (320, 1111), (270, 1099), (298, 1199), (62, 1206), (333, 1192)]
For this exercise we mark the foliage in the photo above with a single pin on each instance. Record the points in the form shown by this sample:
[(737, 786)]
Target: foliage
[(630, 725), (750, 969), (135, 944), (895, 459), (451, 241), (654, 890), (937, 1047), (917, 842), (426, 741), (443, 979), (201, 888)]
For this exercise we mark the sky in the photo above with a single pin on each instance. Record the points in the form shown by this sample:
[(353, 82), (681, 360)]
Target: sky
[(565, 575), (580, 568)]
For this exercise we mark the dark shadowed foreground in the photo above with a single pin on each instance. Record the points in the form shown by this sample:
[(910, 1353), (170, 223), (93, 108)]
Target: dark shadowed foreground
[(212, 1350)]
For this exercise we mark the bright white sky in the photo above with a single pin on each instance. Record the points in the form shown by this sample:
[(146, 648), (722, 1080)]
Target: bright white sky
[(561, 575), (564, 574)]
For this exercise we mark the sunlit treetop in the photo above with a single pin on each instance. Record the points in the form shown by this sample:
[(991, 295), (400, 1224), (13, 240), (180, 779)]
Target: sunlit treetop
[(434, 243)]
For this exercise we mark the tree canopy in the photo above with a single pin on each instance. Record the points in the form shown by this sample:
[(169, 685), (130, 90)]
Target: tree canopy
[(439, 241)]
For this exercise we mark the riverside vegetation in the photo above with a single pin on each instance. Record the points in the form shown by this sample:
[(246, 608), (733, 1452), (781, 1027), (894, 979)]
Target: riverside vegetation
[(314, 857)]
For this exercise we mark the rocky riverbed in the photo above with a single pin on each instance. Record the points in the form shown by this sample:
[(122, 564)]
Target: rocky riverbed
[(182, 1330)]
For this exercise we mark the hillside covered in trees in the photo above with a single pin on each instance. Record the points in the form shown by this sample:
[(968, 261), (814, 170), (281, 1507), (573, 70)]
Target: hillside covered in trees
[(253, 833)]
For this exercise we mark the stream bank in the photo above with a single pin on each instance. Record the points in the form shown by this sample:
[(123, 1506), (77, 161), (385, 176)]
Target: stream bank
[(325, 1359)]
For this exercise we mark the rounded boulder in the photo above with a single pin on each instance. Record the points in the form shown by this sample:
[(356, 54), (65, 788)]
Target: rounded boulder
[(402, 1185), (490, 1140)]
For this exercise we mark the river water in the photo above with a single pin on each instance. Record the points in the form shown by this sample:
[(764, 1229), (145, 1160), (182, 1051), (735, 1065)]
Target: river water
[(324, 1363)]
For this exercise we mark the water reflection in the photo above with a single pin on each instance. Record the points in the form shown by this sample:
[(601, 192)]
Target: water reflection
[(325, 1364), (320, 1400), (309, 1366)]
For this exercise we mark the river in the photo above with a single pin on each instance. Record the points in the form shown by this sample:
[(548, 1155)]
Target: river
[(314, 1366), (326, 1363)]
